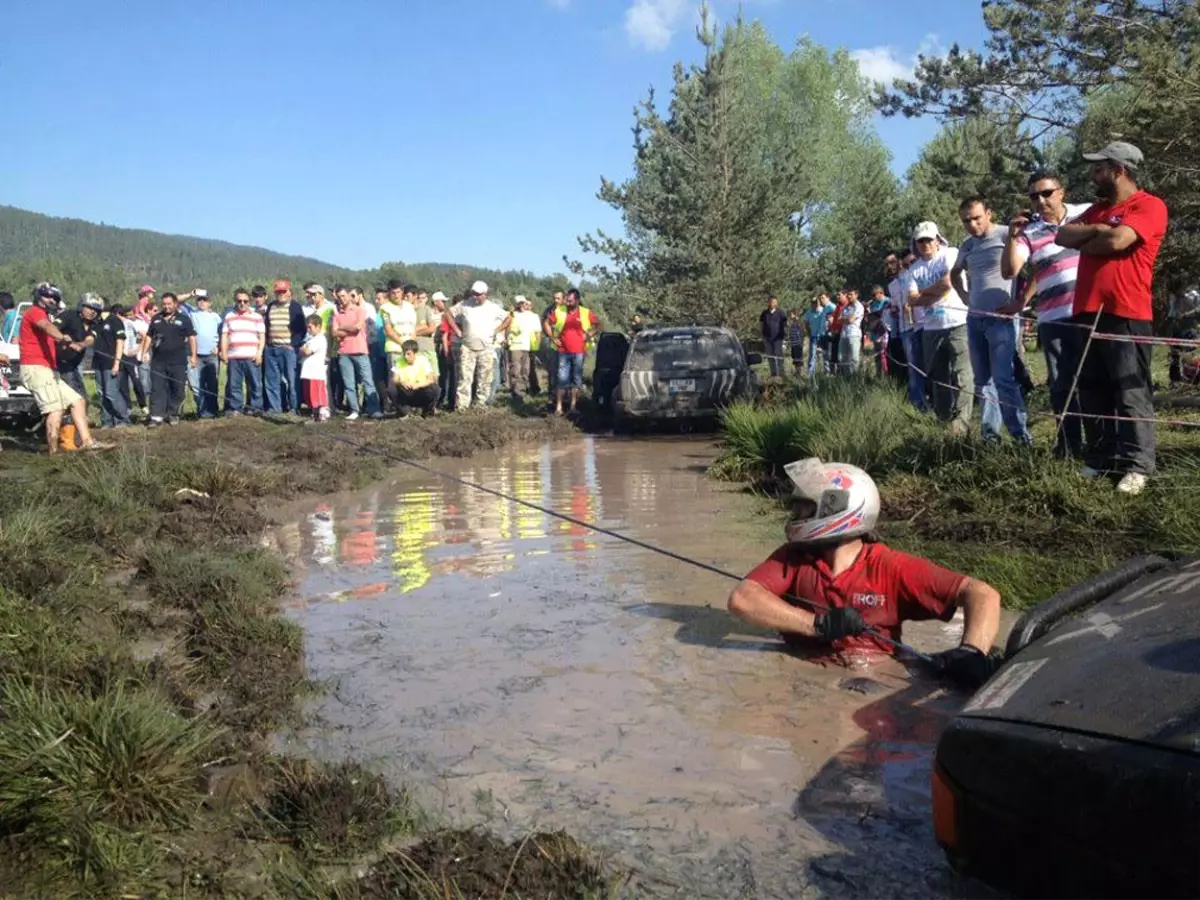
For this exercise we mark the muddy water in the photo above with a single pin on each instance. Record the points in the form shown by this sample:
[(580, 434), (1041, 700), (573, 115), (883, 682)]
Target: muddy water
[(522, 672)]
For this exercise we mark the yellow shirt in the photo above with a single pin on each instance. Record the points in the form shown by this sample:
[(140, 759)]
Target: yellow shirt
[(417, 373)]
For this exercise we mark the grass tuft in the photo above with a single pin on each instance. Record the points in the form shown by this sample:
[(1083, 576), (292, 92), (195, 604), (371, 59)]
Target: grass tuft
[(125, 757), (334, 811)]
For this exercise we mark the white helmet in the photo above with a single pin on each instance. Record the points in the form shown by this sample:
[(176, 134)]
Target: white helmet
[(844, 502)]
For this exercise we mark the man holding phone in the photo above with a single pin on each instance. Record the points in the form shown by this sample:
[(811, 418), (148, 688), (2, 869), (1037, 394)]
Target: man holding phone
[(1031, 234)]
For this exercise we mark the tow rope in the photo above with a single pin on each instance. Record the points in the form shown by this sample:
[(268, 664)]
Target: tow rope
[(608, 532)]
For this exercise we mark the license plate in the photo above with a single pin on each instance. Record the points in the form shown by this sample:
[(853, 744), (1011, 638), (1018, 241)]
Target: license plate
[(681, 385)]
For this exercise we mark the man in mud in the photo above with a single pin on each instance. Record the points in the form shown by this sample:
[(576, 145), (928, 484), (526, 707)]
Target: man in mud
[(834, 584)]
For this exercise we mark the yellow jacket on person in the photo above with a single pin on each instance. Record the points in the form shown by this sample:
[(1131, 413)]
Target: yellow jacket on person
[(413, 374), (560, 319)]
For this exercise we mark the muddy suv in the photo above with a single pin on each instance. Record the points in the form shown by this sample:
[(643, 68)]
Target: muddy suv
[(687, 374)]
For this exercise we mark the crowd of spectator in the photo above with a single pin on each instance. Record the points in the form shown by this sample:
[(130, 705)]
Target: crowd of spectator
[(406, 352), (949, 323)]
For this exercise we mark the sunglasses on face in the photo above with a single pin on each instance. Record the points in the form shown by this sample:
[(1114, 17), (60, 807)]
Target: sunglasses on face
[(1045, 195)]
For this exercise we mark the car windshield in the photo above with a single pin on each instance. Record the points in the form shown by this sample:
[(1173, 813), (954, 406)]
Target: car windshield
[(686, 350)]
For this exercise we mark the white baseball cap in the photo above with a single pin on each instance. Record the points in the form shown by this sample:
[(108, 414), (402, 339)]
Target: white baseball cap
[(200, 293), (438, 295), (479, 287), (926, 230)]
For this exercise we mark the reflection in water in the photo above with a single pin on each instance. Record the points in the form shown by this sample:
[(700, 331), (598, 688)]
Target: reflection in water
[(587, 684), (443, 527)]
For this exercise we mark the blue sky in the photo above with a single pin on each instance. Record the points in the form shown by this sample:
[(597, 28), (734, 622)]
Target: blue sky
[(365, 131)]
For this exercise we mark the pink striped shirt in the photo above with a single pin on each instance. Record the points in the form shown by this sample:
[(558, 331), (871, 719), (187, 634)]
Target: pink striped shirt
[(244, 331), (1054, 267)]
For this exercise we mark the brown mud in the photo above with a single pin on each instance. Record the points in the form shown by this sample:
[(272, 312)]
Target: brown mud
[(527, 675), (140, 624)]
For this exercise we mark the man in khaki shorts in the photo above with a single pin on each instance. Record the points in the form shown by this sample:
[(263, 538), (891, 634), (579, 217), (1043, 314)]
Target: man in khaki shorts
[(38, 341)]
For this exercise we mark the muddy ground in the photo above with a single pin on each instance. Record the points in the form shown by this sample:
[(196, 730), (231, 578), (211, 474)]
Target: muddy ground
[(145, 670), (521, 673)]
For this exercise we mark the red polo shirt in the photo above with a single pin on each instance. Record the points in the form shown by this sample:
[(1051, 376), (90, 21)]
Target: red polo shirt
[(886, 586), (1120, 284)]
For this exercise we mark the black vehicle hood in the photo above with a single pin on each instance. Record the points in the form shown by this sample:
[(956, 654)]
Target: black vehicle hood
[(1127, 667)]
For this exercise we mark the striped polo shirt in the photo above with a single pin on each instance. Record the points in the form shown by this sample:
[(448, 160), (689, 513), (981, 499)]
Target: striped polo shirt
[(244, 331), (279, 318), (1054, 267)]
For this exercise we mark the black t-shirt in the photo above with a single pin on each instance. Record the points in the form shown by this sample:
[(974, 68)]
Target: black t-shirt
[(773, 323), (169, 337), (108, 332), (72, 324)]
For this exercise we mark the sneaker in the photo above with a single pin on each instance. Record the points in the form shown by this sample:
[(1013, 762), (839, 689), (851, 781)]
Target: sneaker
[(1133, 483), (350, 417), (174, 420), (154, 423), (1089, 472), (98, 445)]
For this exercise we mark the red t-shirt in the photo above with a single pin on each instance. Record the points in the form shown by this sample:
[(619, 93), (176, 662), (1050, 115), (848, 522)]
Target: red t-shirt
[(1120, 284), (573, 338), (886, 586), (37, 348), (836, 318)]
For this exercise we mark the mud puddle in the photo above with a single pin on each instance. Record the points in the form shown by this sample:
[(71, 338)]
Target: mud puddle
[(524, 673)]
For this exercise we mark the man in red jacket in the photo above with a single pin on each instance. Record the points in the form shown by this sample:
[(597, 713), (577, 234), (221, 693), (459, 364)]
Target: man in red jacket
[(852, 582), (1118, 240)]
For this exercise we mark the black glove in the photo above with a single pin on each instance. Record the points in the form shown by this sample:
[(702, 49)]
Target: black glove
[(839, 623), (968, 667)]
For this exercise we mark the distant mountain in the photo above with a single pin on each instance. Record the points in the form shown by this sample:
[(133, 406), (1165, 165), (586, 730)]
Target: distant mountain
[(82, 256)]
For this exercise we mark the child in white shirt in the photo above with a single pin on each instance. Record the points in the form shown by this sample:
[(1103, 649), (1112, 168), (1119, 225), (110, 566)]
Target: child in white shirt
[(314, 369)]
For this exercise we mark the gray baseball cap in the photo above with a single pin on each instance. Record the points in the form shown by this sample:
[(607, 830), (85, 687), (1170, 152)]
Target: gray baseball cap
[(1120, 152)]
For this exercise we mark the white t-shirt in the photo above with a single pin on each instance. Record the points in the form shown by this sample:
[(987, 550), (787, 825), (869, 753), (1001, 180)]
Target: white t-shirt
[(315, 366), (949, 311), (525, 324), (852, 318), (403, 319), (135, 330), (479, 323)]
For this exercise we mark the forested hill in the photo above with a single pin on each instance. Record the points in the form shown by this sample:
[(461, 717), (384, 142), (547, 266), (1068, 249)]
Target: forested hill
[(82, 256)]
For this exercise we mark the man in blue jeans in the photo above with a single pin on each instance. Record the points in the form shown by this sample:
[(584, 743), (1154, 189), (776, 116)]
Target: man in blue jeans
[(286, 331), (991, 333), (242, 339), (207, 325), (816, 318)]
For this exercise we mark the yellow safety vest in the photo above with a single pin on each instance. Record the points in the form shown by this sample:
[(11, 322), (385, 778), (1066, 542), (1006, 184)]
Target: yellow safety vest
[(560, 319)]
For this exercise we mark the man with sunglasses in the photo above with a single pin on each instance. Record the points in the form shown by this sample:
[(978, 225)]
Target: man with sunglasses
[(1031, 235), (1118, 239)]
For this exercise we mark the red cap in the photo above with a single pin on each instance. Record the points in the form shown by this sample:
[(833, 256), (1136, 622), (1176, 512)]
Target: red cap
[(282, 286)]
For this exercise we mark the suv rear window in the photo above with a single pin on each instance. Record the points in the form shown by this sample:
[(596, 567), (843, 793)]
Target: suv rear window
[(689, 350)]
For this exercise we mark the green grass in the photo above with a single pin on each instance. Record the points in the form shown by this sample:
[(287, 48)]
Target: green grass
[(143, 651), (1014, 516)]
